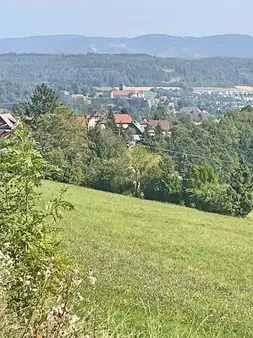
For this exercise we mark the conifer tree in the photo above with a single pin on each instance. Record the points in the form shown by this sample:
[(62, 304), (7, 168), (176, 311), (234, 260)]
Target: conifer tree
[(240, 190)]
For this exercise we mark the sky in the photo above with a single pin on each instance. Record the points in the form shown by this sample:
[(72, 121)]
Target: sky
[(20, 18)]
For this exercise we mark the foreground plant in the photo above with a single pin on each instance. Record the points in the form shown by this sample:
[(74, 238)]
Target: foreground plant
[(34, 274)]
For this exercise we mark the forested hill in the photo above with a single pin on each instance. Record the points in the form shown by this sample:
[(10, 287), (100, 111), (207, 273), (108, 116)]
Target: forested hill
[(139, 69), (231, 45)]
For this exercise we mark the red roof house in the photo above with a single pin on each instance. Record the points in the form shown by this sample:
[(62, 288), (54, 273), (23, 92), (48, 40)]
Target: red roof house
[(122, 119), (126, 94)]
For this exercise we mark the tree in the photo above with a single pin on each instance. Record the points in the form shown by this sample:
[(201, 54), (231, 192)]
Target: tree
[(43, 101), (212, 197), (28, 235), (199, 175), (21, 108), (110, 123), (114, 175), (161, 112), (105, 144), (62, 142), (240, 190), (166, 184), (144, 165), (247, 108)]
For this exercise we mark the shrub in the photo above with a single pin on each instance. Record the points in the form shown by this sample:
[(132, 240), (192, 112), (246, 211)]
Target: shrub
[(35, 276)]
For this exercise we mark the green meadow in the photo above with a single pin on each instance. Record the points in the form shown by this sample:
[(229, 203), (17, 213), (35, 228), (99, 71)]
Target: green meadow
[(161, 270)]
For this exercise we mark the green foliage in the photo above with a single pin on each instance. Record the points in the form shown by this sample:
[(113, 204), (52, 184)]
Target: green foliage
[(144, 165), (166, 185), (76, 72), (62, 142), (71, 174), (240, 190), (28, 234), (111, 121), (43, 101), (211, 197), (199, 175), (114, 175), (14, 88), (161, 112), (213, 142), (101, 158), (20, 108), (105, 143)]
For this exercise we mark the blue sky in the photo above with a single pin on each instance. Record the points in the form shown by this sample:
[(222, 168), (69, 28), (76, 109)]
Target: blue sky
[(125, 17)]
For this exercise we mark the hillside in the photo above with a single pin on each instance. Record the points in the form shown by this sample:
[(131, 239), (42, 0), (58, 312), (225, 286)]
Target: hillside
[(163, 270), (74, 72), (153, 44)]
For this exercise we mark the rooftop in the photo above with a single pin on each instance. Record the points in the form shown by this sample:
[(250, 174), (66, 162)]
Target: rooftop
[(164, 124), (7, 124), (123, 119)]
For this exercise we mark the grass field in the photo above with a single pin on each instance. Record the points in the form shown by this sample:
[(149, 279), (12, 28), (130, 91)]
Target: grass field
[(224, 89), (162, 270)]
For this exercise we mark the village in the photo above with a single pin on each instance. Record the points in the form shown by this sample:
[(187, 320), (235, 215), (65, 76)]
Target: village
[(139, 101), (135, 108)]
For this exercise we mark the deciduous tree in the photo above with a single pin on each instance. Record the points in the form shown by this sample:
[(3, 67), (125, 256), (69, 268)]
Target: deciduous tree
[(144, 165)]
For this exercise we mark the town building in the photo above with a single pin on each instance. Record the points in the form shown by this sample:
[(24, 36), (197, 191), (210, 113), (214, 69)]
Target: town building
[(190, 111), (126, 94), (151, 125), (7, 124), (122, 120)]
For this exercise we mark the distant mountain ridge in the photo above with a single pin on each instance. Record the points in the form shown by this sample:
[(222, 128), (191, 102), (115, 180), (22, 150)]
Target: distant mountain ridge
[(230, 45)]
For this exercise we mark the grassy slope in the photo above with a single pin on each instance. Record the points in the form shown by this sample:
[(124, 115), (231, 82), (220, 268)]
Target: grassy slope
[(187, 272)]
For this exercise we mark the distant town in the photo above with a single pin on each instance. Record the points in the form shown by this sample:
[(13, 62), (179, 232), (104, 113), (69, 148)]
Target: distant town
[(141, 101)]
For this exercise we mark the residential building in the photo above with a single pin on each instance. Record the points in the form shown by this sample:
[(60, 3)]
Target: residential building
[(122, 120), (190, 111), (7, 124), (98, 118), (151, 126), (126, 94)]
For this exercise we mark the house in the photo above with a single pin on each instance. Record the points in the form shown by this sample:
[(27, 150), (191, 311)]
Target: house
[(151, 126), (97, 119), (190, 111), (7, 124), (126, 94), (122, 120)]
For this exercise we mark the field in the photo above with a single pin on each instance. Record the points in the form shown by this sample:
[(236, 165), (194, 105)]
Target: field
[(162, 270), (224, 89)]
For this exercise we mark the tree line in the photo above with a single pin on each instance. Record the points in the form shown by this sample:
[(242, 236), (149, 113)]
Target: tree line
[(77, 72), (207, 166), (38, 289)]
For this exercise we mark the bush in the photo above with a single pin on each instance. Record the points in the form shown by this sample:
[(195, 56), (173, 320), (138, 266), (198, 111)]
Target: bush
[(34, 273), (112, 175), (160, 190), (211, 197)]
